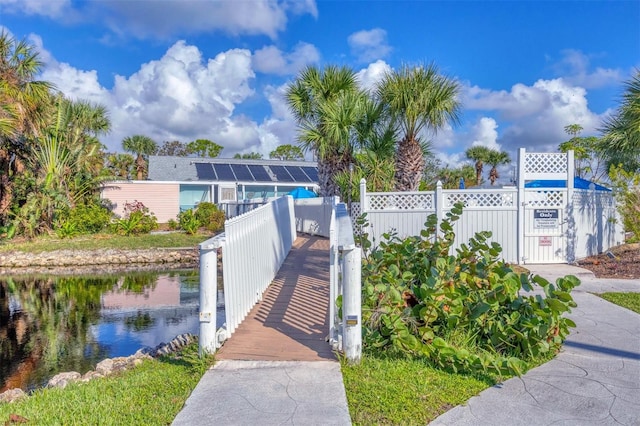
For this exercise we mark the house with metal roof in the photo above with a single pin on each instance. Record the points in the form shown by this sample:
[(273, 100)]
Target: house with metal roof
[(176, 184)]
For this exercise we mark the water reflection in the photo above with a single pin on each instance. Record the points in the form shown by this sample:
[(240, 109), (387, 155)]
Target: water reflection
[(50, 324)]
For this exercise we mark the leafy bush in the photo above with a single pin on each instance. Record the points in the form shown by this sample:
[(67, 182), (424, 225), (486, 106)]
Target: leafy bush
[(88, 219), (7, 231), (137, 220), (172, 224), (210, 217), (627, 192), (189, 222), (463, 311), (66, 229)]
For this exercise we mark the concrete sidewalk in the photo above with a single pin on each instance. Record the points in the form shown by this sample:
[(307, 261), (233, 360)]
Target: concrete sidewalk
[(595, 380), (268, 393)]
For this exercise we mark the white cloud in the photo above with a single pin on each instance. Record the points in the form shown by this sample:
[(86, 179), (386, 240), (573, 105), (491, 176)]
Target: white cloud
[(49, 8), (271, 60), (485, 134), (180, 96), (372, 74), (165, 18), (534, 117), (574, 67), (369, 45)]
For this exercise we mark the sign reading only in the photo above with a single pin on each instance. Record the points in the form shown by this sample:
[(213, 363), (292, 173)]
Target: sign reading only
[(545, 218)]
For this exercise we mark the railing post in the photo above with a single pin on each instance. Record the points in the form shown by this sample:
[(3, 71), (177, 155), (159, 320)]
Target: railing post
[(521, 203), (208, 297), (352, 303), (363, 196), (439, 206)]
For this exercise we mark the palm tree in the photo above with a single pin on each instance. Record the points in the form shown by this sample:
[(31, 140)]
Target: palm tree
[(418, 99), (24, 105), (322, 104), (496, 158), (142, 146), (479, 154), (621, 131)]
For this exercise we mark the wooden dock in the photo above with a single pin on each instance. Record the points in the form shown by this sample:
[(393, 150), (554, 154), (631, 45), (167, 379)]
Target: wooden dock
[(291, 323)]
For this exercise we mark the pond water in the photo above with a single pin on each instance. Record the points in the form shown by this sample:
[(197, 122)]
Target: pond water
[(51, 324)]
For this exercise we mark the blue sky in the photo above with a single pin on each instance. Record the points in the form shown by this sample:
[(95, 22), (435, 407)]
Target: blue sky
[(182, 70)]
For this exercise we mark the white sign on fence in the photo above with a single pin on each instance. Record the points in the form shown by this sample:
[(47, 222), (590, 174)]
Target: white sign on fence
[(544, 241), (545, 218)]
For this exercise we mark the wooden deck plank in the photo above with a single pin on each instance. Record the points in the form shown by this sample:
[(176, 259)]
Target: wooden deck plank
[(291, 322)]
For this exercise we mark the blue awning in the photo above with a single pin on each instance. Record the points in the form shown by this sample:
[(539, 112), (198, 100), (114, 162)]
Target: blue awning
[(578, 183)]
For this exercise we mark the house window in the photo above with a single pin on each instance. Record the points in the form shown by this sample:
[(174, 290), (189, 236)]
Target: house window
[(227, 194), (254, 192), (192, 195)]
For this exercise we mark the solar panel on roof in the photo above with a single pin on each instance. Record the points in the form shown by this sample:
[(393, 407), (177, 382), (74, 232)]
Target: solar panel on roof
[(312, 172), (242, 172), (259, 173), (224, 172), (204, 171), (281, 174), (298, 174)]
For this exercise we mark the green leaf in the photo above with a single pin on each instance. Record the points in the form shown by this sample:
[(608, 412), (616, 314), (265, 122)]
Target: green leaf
[(479, 309)]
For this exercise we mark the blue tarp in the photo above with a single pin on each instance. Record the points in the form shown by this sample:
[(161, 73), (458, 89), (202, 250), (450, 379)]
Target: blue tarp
[(302, 193), (578, 183)]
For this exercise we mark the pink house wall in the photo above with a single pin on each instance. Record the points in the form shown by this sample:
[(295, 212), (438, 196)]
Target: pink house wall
[(162, 199)]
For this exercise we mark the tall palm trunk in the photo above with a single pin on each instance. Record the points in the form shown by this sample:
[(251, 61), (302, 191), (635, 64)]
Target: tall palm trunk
[(328, 167), (479, 168), (141, 166), (409, 165)]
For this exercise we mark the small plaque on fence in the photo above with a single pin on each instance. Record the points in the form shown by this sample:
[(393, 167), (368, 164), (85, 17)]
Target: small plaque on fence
[(544, 241)]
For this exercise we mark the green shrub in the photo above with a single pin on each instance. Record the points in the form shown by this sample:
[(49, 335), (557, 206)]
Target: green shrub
[(89, 219), (137, 220), (172, 224), (189, 222), (627, 192), (210, 217), (463, 311), (66, 229)]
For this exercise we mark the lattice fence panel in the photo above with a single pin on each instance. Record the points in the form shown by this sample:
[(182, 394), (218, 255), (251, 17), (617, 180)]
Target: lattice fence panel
[(421, 201), (546, 199), (601, 198), (481, 199), (545, 163)]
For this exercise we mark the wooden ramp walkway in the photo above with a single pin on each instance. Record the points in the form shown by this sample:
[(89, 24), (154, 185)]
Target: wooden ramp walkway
[(291, 322)]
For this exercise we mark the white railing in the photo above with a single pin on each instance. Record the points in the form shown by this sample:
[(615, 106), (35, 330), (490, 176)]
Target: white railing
[(237, 208), (254, 246), (345, 268)]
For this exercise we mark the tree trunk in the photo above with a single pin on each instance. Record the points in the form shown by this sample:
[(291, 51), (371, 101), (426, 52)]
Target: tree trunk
[(479, 167), (493, 175), (6, 185), (141, 165), (409, 165)]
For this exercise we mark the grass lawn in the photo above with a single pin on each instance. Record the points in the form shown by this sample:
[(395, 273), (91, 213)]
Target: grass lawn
[(626, 300), (386, 391), (150, 394), (105, 241)]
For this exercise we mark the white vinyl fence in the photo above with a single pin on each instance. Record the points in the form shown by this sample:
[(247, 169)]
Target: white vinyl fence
[(313, 215), (405, 213), (533, 225), (254, 246)]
